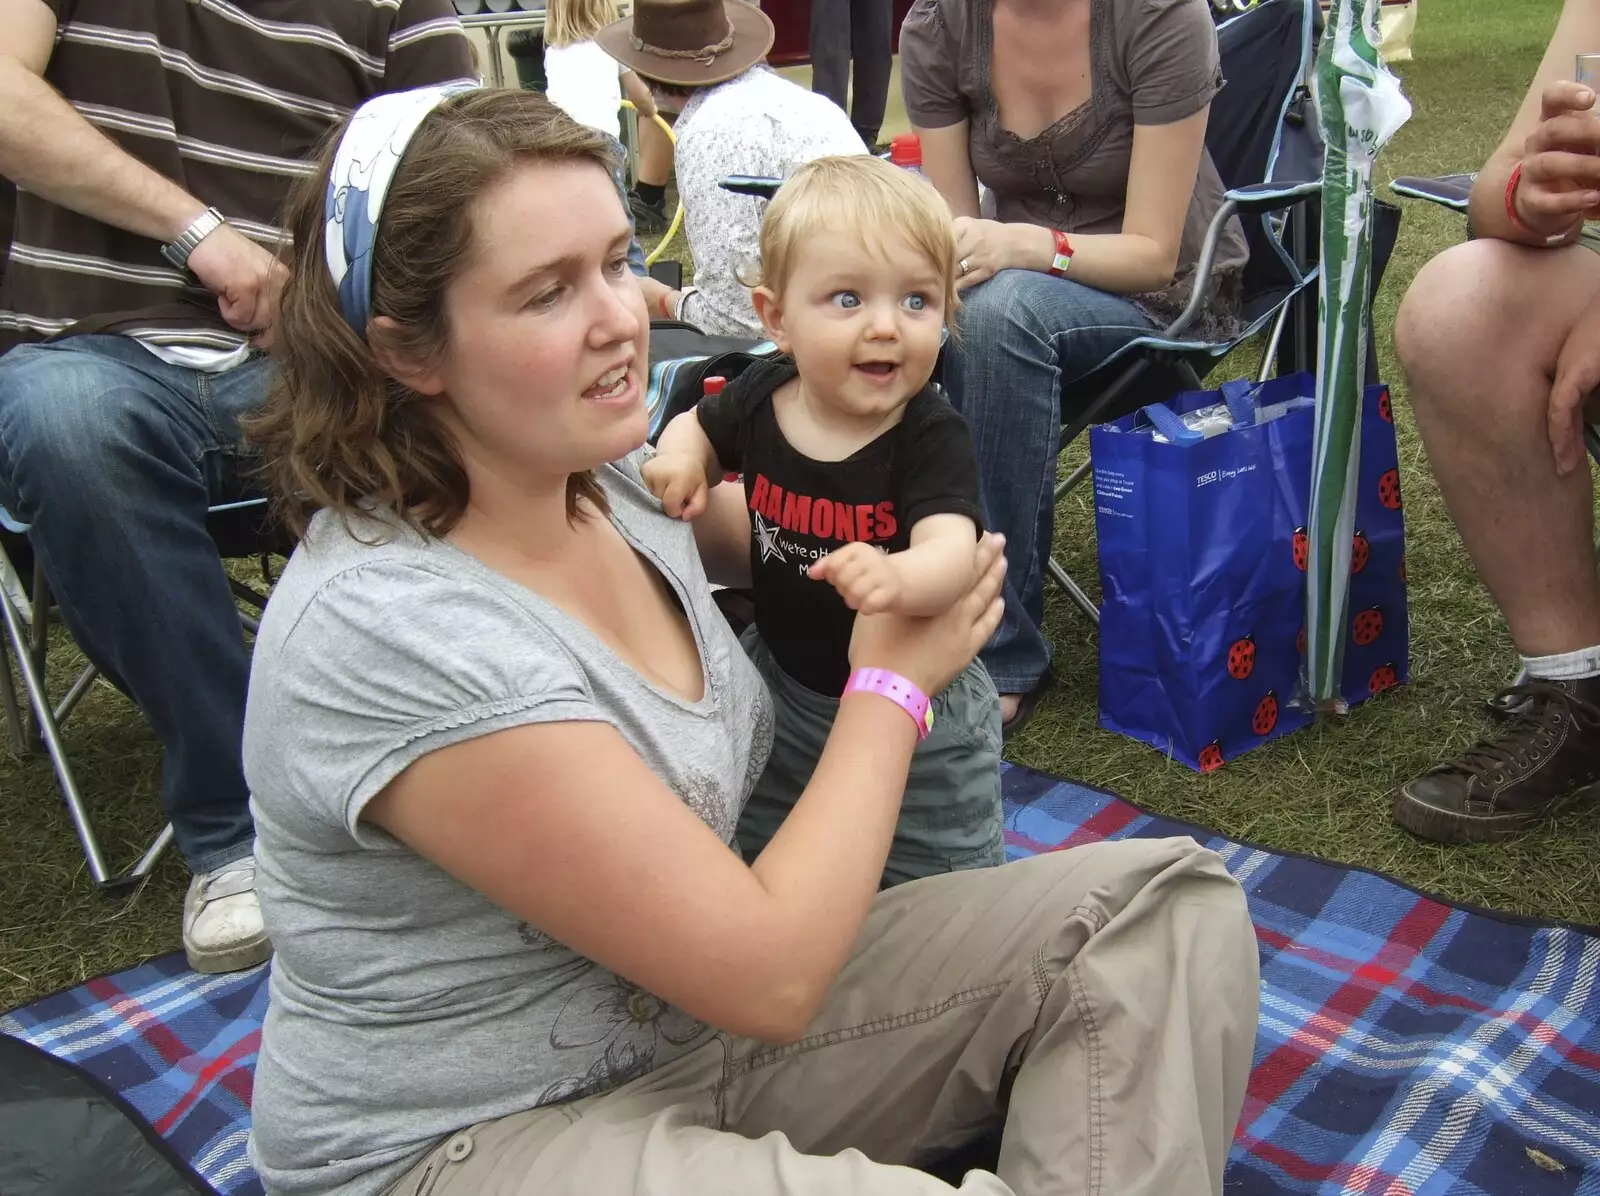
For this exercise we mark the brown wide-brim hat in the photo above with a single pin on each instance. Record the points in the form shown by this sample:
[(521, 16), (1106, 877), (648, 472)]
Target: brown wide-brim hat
[(689, 43)]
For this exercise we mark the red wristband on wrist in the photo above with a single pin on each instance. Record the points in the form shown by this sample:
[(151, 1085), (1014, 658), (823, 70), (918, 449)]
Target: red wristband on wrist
[(662, 306), (1511, 201), (1516, 221), (1063, 258)]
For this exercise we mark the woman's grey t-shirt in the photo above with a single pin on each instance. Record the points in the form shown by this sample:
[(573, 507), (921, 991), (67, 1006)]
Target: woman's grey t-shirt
[(405, 1005)]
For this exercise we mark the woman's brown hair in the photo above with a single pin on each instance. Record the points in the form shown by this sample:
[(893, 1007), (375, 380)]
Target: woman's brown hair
[(336, 429)]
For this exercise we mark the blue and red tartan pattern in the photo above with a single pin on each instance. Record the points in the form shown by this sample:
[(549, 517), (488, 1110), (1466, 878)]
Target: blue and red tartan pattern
[(1407, 1048)]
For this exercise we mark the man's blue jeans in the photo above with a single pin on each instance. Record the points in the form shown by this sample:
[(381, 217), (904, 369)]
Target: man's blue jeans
[(1023, 335), (113, 457)]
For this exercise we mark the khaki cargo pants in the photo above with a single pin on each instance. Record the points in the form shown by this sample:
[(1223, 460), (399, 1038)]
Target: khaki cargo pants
[(1099, 1004)]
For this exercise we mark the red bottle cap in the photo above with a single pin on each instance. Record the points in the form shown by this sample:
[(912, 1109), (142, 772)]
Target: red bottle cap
[(906, 150), (715, 385)]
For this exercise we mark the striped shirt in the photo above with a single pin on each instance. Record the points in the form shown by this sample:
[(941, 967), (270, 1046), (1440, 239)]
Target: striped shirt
[(229, 99)]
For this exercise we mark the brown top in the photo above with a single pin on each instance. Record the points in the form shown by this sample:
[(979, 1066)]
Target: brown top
[(1153, 62), (229, 101)]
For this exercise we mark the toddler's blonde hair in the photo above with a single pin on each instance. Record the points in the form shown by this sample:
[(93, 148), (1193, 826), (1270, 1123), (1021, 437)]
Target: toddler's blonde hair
[(868, 196), (570, 21)]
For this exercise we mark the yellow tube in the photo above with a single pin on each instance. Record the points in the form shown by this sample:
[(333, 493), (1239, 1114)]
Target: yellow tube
[(677, 217)]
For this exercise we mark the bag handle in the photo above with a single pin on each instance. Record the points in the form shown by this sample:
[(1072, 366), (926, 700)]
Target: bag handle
[(1163, 420), (1240, 396)]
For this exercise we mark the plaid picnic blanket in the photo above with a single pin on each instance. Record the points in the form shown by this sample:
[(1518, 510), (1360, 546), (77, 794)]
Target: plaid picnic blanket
[(1407, 1047)]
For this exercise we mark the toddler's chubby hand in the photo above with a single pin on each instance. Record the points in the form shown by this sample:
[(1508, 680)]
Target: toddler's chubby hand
[(679, 481), (864, 576)]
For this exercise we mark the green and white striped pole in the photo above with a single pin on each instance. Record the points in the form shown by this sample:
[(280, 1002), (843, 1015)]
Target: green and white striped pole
[(1361, 107)]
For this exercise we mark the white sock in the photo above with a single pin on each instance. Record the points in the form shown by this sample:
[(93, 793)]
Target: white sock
[(1565, 666)]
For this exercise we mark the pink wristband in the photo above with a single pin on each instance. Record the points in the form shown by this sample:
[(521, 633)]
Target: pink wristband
[(898, 690)]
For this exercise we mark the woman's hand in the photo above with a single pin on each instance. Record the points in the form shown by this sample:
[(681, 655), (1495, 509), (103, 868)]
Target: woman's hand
[(1560, 167), (983, 249), (930, 652)]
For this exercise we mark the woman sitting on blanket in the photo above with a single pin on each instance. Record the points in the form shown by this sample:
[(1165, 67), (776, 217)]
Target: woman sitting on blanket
[(498, 740)]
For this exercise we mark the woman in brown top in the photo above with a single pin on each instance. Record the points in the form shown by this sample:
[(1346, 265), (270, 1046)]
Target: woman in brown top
[(1085, 118)]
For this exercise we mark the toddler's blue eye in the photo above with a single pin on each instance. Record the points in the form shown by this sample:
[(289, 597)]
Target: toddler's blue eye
[(916, 302), (847, 299)]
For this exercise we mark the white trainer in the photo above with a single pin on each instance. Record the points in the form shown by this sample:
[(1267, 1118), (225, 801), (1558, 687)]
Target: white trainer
[(222, 927), (20, 597)]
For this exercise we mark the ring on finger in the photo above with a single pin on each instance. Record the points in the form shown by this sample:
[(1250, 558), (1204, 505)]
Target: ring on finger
[(964, 266)]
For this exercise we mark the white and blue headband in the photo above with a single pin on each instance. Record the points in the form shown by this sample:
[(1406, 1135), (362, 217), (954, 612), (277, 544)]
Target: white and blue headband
[(369, 153)]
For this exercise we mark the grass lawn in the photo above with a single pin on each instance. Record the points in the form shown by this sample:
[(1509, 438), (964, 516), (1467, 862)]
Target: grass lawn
[(1323, 791)]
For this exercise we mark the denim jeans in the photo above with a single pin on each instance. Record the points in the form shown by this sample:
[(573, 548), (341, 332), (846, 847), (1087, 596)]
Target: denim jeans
[(619, 176), (113, 456), (1023, 336)]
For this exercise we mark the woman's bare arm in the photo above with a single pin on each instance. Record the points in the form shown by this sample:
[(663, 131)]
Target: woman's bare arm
[(947, 161), (564, 826), (636, 93)]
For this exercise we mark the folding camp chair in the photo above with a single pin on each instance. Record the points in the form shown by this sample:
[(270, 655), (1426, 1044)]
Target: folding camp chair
[(240, 529), (1263, 137)]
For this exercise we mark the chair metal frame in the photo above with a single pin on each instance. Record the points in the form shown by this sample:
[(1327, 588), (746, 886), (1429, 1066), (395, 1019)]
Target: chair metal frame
[(1288, 212), (37, 729)]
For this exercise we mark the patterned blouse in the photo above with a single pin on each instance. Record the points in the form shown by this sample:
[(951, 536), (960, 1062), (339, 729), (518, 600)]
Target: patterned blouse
[(757, 124)]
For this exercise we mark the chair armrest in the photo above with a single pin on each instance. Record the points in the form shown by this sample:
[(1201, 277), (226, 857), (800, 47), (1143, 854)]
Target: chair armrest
[(1202, 269), (1273, 197), (1452, 191), (1257, 198)]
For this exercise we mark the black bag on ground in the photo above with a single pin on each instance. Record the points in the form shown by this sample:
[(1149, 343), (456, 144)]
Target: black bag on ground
[(63, 1134)]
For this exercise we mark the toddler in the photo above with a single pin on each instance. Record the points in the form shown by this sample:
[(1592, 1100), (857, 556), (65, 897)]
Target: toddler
[(862, 489)]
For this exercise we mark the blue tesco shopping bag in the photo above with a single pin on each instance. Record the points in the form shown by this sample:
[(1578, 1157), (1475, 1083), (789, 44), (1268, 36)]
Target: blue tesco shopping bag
[(1200, 506)]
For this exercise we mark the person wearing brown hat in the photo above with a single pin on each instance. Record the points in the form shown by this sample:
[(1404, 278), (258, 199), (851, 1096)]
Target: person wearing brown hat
[(705, 58)]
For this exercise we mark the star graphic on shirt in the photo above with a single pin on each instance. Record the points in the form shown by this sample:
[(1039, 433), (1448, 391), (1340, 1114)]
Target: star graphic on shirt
[(767, 540)]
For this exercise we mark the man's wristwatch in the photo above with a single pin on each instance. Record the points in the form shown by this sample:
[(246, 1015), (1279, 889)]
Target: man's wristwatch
[(177, 252)]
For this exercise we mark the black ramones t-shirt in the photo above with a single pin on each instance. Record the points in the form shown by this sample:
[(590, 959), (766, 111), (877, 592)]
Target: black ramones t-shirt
[(802, 509)]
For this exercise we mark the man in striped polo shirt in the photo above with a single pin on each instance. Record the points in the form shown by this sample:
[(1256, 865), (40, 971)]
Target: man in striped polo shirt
[(153, 143)]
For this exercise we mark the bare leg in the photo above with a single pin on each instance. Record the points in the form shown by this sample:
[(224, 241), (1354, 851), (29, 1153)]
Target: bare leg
[(1478, 334), (655, 154)]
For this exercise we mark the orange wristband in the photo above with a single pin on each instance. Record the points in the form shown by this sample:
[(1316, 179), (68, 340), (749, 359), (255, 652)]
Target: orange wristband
[(662, 306)]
